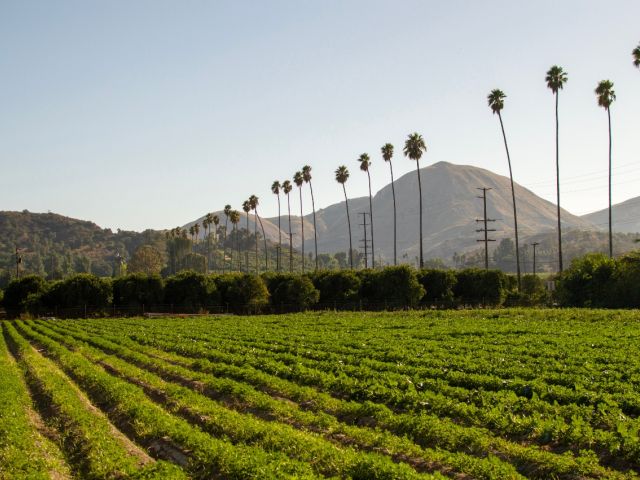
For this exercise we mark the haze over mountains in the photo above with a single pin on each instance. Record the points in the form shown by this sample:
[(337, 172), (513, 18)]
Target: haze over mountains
[(450, 210)]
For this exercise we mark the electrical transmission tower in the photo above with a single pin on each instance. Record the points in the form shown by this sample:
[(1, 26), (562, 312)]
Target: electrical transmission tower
[(485, 228), (364, 242)]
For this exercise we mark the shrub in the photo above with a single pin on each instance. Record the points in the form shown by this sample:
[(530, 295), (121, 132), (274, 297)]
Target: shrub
[(337, 287), (627, 282), (294, 291), (79, 290), (21, 295), (138, 289), (438, 285), (588, 282), (246, 293), (191, 291), (396, 285), (480, 287)]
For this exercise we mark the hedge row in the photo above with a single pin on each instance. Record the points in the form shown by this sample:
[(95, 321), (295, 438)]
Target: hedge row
[(591, 281), (392, 287)]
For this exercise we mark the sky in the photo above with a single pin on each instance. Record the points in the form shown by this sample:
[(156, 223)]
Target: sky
[(148, 114)]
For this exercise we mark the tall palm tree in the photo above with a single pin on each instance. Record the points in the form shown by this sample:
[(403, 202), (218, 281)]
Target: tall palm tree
[(298, 179), (556, 78), (208, 221), (342, 175), (495, 100), (636, 56), (227, 212), (196, 230), (216, 221), (606, 96), (306, 174), (414, 147), (387, 154), (234, 217), (254, 202), (286, 188), (246, 207), (365, 163), (275, 189)]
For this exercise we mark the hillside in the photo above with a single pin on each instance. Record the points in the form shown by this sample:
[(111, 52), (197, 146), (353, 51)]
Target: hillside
[(450, 208), (58, 245), (625, 216)]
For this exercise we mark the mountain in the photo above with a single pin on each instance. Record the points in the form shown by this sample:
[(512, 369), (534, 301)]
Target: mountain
[(450, 210), (56, 245), (625, 216)]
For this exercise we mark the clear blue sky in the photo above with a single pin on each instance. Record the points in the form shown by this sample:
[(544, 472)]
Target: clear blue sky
[(147, 114)]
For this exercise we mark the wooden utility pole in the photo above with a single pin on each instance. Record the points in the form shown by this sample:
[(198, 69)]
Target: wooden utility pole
[(534, 245), (485, 230), (365, 241)]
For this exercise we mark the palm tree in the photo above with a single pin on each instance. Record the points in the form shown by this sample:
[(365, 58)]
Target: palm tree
[(196, 230), (365, 163), (216, 221), (253, 201), (234, 217), (275, 189), (342, 175), (298, 179), (207, 222), (414, 147), (606, 96), (496, 103), (192, 232), (387, 154), (246, 207), (227, 212), (556, 78), (286, 188), (306, 174), (636, 56)]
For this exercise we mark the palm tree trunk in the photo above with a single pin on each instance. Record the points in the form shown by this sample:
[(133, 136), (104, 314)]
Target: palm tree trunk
[(290, 235), (558, 186), (264, 237), (302, 227), (395, 236), (255, 232), (246, 250), (373, 250), (238, 246), (513, 196), (610, 222), (224, 245), (420, 194), (315, 229), (349, 225), (231, 251), (279, 237)]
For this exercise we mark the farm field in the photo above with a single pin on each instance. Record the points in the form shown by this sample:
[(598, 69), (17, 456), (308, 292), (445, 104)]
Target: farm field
[(487, 394)]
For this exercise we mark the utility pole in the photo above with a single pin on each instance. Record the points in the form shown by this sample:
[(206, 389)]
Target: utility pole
[(18, 262), (365, 241), (534, 245), (485, 230)]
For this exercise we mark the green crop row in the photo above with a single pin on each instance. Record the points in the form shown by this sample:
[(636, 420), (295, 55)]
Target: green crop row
[(425, 429), (203, 455), (246, 398), (325, 457), (24, 452)]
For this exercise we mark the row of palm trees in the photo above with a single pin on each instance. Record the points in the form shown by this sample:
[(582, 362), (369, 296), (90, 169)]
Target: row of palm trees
[(414, 148)]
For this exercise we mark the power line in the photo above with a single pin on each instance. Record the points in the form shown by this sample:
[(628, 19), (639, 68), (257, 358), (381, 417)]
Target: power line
[(485, 230)]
